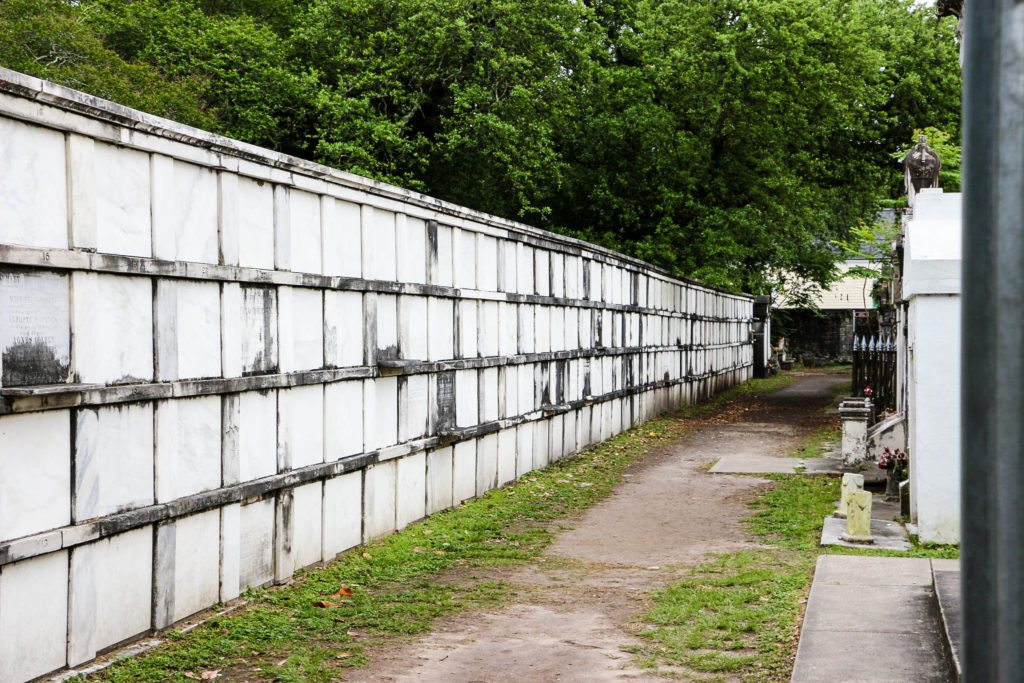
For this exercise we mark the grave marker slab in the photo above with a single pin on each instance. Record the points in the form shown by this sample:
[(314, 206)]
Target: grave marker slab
[(35, 328)]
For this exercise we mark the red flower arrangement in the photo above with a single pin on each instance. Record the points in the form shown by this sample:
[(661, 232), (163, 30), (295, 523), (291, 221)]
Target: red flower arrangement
[(868, 391), (892, 459)]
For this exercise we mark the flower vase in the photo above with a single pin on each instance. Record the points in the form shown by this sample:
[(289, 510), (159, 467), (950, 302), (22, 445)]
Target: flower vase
[(892, 484)]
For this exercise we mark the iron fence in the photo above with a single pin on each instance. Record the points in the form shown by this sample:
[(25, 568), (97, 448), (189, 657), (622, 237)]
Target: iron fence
[(874, 370)]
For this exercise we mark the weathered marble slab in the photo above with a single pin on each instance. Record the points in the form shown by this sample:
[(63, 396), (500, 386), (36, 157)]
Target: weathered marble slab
[(441, 333), (379, 244), (489, 393), (185, 211), (464, 255), (524, 449), (304, 233), (469, 332), (467, 404), (464, 471), (343, 254), (411, 249), (255, 205), (487, 263), (413, 407), (188, 443), (187, 567), (188, 329), (122, 201), (439, 479), (34, 618), (488, 326), (35, 328), (381, 413), (110, 592), (113, 313), (301, 328), (413, 330), (113, 459), (486, 464), (506, 456), (307, 510), (35, 472), (380, 491), (525, 269), (412, 489), (256, 543), (343, 419), (300, 427), (343, 329), (257, 434), (343, 513), (34, 203), (259, 330)]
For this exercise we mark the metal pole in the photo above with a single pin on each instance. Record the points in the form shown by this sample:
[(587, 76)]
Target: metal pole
[(993, 325)]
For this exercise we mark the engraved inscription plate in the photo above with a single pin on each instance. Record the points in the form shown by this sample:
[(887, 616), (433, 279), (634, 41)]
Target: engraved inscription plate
[(445, 401), (259, 330), (35, 331)]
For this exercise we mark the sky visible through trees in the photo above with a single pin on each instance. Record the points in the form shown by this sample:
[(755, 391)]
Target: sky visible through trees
[(733, 141)]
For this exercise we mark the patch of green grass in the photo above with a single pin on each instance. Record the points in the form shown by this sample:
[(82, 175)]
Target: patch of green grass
[(281, 635), (737, 613), (814, 444), (754, 387)]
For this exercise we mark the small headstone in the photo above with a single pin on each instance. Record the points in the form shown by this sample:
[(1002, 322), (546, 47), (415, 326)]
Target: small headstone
[(858, 518), (851, 483), (905, 498)]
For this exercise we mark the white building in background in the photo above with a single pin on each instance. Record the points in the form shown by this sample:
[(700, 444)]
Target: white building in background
[(929, 362)]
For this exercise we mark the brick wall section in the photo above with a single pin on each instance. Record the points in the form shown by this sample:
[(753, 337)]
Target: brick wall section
[(220, 364)]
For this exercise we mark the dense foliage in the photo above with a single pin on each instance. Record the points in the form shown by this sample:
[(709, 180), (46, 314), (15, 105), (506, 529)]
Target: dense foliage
[(728, 140)]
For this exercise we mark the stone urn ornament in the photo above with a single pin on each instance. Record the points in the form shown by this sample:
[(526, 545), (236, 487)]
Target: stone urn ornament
[(895, 465), (921, 168)]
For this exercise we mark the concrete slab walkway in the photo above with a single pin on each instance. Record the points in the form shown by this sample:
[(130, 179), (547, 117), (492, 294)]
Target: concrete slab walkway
[(871, 619)]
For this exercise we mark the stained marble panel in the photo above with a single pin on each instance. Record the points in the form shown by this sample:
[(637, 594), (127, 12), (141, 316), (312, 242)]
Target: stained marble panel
[(122, 196), (255, 223), (34, 618), (34, 203), (35, 328), (35, 472), (113, 459), (188, 442)]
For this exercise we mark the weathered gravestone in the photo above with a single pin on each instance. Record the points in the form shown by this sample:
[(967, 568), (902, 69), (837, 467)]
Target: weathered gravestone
[(35, 332)]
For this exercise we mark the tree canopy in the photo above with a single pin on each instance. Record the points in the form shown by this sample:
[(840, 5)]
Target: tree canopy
[(729, 140)]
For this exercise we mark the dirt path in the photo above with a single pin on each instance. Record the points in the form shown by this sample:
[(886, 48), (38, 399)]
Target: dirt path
[(571, 621)]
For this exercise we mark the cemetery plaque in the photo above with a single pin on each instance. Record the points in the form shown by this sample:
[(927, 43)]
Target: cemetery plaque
[(35, 328), (445, 401), (259, 330)]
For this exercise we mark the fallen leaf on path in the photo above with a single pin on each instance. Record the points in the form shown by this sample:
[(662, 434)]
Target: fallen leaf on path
[(418, 549), (344, 655), (282, 662), (367, 556), (210, 675), (343, 592), (354, 634), (326, 604)]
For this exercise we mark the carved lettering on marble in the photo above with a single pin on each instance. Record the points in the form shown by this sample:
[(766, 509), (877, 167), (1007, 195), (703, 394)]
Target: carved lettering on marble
[(35, 329)]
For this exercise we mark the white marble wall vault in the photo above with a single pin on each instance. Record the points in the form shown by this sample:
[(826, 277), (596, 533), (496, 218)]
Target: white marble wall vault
[(219, 364)]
